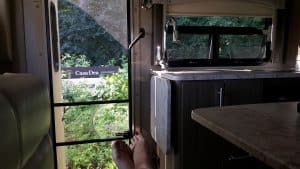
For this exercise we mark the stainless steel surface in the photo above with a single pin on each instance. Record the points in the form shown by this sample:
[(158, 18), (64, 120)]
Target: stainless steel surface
[(238, 72)]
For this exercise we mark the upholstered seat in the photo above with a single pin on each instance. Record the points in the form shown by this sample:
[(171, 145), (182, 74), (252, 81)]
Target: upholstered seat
[(10, 141), (42, 158), (29, 103)]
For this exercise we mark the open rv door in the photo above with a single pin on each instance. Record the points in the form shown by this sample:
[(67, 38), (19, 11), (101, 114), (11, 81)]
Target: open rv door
[(89, 63)]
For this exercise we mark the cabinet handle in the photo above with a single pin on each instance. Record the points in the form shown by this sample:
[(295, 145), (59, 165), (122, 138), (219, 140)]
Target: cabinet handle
[(221, 97)]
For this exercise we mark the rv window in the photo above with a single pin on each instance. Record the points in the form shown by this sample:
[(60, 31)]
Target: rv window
[(216, 40), (187, 48)]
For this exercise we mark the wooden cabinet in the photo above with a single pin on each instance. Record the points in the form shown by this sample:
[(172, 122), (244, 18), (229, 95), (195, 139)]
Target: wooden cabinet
[(188, 138), (195, 147), (243, 92), (194, 144), (195, 94)]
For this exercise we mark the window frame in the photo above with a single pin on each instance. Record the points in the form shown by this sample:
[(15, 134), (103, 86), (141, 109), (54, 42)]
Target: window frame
[(215, 32)]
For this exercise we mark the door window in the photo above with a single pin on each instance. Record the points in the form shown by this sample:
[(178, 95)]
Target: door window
[(91, 102)]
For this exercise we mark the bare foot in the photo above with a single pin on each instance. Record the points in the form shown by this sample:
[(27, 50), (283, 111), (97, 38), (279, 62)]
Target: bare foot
[(122, 155), (141, 155)]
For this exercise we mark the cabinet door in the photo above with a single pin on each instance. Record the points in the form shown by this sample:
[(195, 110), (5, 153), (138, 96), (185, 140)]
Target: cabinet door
[(243, 92), (192, 147), (161, 112), (281, 89)]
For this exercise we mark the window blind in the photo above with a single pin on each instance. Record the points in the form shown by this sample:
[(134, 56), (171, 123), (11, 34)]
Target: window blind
[(264, 8)]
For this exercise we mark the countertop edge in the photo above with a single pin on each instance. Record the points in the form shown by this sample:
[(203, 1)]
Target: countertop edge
[(252, 150)]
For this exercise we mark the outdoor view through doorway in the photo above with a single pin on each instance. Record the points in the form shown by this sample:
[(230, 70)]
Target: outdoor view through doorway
[(91, 101)]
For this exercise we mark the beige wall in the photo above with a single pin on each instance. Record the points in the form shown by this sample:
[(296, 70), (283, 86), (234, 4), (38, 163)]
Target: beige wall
[(23, 37), (293, 32), (36, 38)]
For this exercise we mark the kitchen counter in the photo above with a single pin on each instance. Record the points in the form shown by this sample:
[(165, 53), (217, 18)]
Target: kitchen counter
[(222, 73), (270, 132)]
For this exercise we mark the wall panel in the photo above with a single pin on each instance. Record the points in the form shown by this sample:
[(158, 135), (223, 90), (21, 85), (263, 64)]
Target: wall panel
[(5, 34), (293, 32)]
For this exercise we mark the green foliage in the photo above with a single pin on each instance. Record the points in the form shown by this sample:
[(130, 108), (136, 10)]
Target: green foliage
[(109, 87), (90, 156), (79, 126), (73, 92), (122, 62), (92, 122), (116, 82), (111, 119), (85, 43), (71, 60)]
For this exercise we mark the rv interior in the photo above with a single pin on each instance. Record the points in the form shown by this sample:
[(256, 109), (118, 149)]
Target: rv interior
[(210, 84)]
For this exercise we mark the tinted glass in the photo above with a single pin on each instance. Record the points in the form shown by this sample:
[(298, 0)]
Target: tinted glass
[(242, 47), (190, 46), (197, 45)]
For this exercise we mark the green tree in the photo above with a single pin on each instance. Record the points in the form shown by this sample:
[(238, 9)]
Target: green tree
[(80, 34), (69, 60), (98, 121), (85, 43)]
